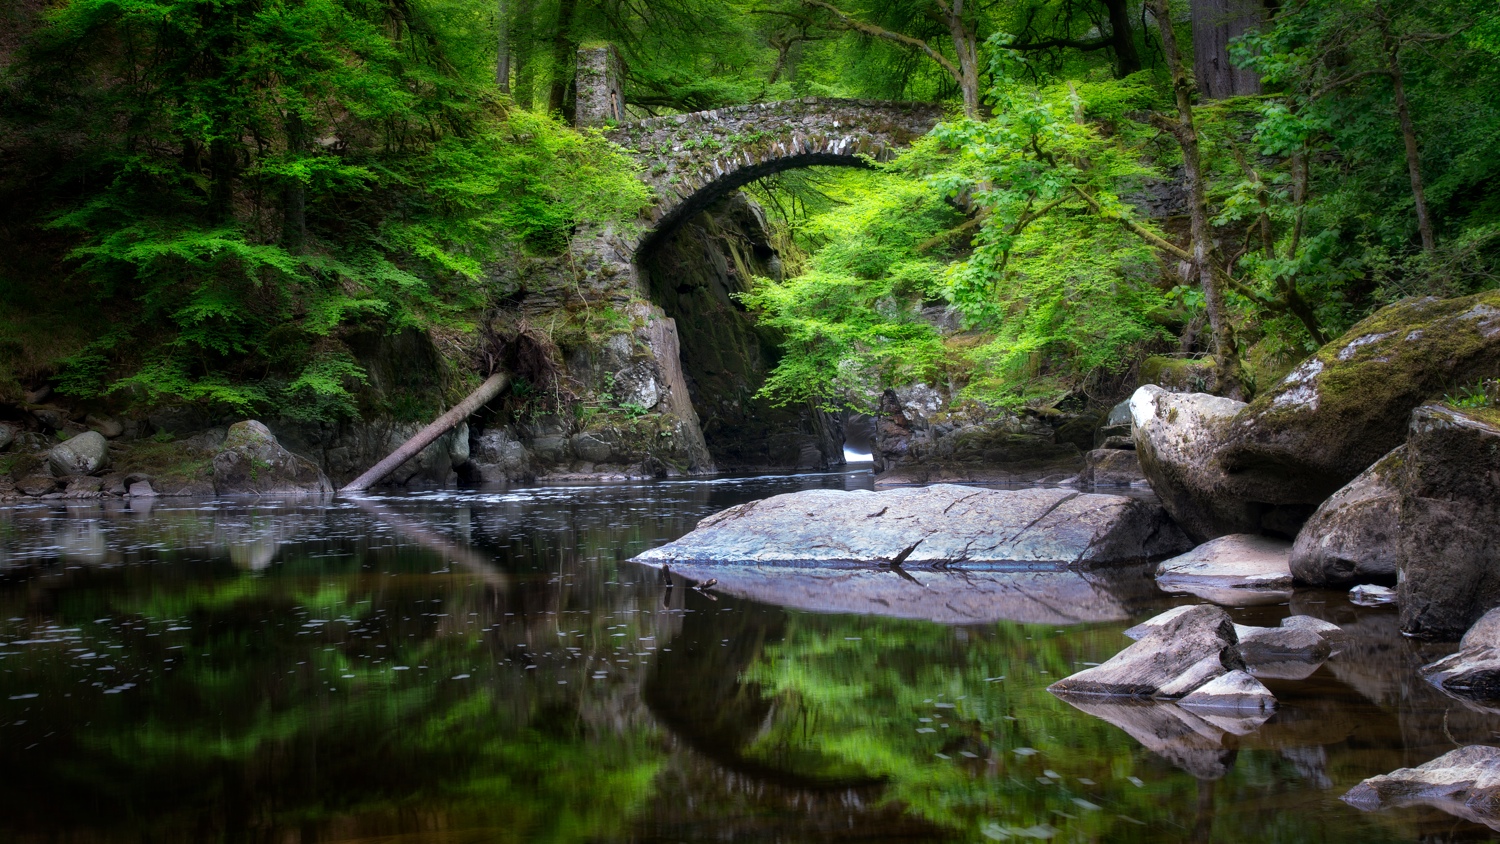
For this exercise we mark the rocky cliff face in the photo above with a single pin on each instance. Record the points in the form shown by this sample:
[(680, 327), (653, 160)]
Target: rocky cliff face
[(695, 274)]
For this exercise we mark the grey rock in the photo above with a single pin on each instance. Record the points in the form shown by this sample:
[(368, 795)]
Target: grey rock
[(1351, 538), (105, 425), (1236, 691), (590, 447), (7, 434), (1276, 645), (1372, 595), (1126, 442), (1327, 629), (1237, 570), (1463, 782), (499, 457), (142, 489), (1177, 437), (1117, 425), (1474, 671), (84, 454), (458, 444), (940, 525), (1193, 647), (54, 418), (84, 486), (550, 449), (251, 461), (1111, 467), (1155, 623), (1347, 405), (115, 483), (1449, 523), (36, 485)]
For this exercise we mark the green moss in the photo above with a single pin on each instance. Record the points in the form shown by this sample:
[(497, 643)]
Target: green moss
[(1191, 375), (168, 461)]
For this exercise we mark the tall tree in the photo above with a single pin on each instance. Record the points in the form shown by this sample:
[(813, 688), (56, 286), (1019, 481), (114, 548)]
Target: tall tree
[(1215, 24), (1184, 129), (964, 68)]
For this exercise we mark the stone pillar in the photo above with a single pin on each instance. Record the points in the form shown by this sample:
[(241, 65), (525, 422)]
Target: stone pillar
[(601, 86)]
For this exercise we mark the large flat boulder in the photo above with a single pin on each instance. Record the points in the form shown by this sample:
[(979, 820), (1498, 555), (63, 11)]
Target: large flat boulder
[(936, 526), (1463, 782), (1351, 537), (1449, 524), (1237, 570), (1191, 649), (1347, 405), (1177, 437), (251, 461)]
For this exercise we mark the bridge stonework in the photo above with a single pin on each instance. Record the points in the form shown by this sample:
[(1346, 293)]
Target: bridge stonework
[(691, 160)]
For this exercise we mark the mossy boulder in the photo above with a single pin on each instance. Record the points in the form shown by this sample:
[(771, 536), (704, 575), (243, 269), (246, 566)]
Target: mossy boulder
[(251, 461), (1347, 405)]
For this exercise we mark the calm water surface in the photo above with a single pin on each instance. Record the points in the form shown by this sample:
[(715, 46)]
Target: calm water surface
[(487, 667)]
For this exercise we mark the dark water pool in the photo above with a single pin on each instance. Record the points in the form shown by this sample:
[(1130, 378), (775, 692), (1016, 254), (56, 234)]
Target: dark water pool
[(486, 667)]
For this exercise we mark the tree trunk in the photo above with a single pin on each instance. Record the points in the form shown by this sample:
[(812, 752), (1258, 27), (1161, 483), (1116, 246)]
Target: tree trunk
[(563, 50), (425, 437), (502, 53), (521, 61), (1215, 23), (294, 196), (1409, 138), (1122, 38), (968, 55), (1226, 361)]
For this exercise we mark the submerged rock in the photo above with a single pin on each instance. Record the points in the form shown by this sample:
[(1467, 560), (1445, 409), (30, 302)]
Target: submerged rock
[(84, 454), (252, 461), (941, 525), (1449, 524), (1463, 782), (1474, 671), (1191, 648), (1239, 570), (1351, 538), (1177, 437), (1347, 405)]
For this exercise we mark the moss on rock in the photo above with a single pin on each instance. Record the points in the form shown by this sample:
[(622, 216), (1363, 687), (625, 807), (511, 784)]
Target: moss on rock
[(1347, 405)]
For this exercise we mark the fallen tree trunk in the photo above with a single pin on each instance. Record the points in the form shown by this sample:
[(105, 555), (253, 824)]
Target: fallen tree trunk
[(425, 437)]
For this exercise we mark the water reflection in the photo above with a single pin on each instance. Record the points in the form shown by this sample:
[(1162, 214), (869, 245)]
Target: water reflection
[(486, 667)]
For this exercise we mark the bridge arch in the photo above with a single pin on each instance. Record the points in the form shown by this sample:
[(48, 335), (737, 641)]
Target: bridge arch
[(692, 160)]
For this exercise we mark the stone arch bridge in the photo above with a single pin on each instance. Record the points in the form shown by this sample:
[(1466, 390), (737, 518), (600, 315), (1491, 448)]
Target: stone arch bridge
[(692, 160), (704, 349)]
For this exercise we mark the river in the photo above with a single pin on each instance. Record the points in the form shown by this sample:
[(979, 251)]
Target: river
[(485, 666)]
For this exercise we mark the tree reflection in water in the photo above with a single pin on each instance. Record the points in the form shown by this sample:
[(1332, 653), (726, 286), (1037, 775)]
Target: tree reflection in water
[(487, 667)]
